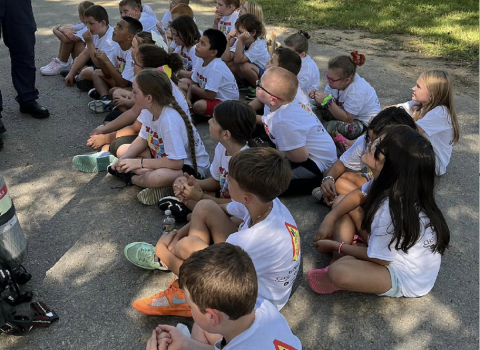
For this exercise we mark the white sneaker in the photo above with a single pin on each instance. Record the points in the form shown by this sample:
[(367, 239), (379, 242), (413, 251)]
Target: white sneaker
[(54, 67), (51, 62)]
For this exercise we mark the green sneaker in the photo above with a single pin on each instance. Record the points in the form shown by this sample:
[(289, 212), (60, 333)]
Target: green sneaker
[(93, 163), (142, 254)]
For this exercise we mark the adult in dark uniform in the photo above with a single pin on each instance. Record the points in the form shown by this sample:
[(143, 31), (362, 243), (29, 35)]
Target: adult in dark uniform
[(17, 27)]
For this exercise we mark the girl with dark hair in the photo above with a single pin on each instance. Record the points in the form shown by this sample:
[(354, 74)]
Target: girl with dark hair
[(407, 231), (346, 174), (232, 125), (185, 34), (168, 144)]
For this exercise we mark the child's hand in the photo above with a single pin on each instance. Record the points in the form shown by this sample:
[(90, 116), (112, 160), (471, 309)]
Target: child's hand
[(160, 29), (157, 341), (178, 339), (329, 191), (98, 131), (326, 246), (69, 79), (218, 17), (244, 36), (319, 97), (88, 36), (325, 230), (121, 101), (167, 238), (232, 34), (192, 192), (69, 32), (101, 55), (96, 141), (311, 94), (128, 165)]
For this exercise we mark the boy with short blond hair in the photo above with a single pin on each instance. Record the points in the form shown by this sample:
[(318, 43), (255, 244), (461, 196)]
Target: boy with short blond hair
[(98, 38), (220, 285), (268, 232)]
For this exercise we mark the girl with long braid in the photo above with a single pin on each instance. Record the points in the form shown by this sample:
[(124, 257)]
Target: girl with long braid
[(168, 144)]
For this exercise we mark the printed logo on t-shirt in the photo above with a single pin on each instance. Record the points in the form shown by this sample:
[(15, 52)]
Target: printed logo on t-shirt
[(224, 193), (225, 27), (282, 346), (295, 240), (121, 64), (268, 131), (187, 62), (305, 107), (155, 143), (202, 81)]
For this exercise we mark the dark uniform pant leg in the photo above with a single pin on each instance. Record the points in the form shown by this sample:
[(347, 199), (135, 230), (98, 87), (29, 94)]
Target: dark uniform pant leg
[(18, 31)]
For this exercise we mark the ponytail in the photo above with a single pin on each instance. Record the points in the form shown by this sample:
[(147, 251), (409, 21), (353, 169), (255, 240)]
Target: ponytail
[(357, 58)]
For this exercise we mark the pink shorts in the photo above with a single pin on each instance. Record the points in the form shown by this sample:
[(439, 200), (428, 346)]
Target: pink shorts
[(211, 105)]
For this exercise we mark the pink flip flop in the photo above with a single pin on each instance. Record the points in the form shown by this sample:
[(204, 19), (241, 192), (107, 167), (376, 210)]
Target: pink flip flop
[(319, 281)]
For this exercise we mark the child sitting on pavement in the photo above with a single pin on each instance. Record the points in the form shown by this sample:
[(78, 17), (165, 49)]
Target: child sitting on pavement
[(232, 125), (98, 38), (346, 174), (295, 130), (247, 57), (118, 73), (268, 233), (212, 80), (226, 14), (220, 284), (309, 76), (130, 8), (349, 101), (71, 42)]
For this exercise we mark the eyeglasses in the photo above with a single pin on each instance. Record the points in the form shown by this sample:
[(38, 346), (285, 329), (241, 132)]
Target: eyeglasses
[(373, 144), (136, 64), (330, 80), (261, 87)]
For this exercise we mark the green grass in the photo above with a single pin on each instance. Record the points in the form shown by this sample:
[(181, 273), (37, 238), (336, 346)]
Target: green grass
[(442, 28)]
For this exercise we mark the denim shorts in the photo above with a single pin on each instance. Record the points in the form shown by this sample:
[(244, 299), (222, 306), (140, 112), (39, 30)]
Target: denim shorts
[(396, 290)]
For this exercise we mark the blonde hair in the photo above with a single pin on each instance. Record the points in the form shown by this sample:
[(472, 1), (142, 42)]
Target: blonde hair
[(157, 84), (183, 10), (439, 85), (256, 9), (83, 6)]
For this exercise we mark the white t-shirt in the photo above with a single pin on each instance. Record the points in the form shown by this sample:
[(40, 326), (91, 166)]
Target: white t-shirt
[(79, 26), (148, 10), (167, 20), (438, 128), (417, 271), (309, 75), (80, 32), (227, 23), (149, 23), (274, 246), (359, 99), (219, 169), (106, 44), (352, 158), (188, 56), (300, 97), (257, 53), (293, 126), (216, 77), (269, 331), (123, 62), (167, 137)]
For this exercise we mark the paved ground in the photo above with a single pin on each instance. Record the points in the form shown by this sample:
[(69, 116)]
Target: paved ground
[(77, 226)]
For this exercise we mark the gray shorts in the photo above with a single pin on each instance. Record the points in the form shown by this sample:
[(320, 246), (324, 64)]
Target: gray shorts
[(396, 290)]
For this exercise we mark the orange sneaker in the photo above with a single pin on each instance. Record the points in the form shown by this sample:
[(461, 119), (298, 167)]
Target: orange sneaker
[(170, 302)]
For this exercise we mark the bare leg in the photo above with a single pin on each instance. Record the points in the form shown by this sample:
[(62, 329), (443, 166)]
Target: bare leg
[(349, 181), (360, 276), (200, 107), (156, 178), (249, 72), (101, 83), (65, 51), (78, 48), (86, 74)]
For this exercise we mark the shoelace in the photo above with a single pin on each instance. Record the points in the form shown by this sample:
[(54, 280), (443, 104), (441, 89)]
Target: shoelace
[(145, 255), (54, 63)]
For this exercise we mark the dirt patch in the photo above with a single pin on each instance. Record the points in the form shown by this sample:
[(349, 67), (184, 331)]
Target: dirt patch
[(397, 54)]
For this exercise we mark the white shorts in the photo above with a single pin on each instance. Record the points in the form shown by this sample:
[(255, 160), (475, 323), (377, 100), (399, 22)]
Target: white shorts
[(396, 290)]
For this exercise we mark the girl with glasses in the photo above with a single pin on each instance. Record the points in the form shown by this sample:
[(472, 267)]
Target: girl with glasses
[(407, 233), (348, 101)]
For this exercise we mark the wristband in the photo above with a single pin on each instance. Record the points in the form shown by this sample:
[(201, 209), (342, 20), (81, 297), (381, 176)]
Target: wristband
[(201, 197), (328, 177), (327, 102), (340, 247), (141, 163)]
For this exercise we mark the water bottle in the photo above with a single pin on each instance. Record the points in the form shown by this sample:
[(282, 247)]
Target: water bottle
[(13, 245), (168, 224)]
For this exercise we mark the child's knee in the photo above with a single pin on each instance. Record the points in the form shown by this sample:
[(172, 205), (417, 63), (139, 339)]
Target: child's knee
[(203, 208), (200, 107), (339, 272)]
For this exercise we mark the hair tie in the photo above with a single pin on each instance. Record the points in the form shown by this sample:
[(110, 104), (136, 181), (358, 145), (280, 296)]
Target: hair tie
[(357, 58), (159, 41), (166, 69)]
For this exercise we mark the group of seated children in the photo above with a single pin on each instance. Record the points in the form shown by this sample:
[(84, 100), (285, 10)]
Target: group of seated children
[(241, 243)]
